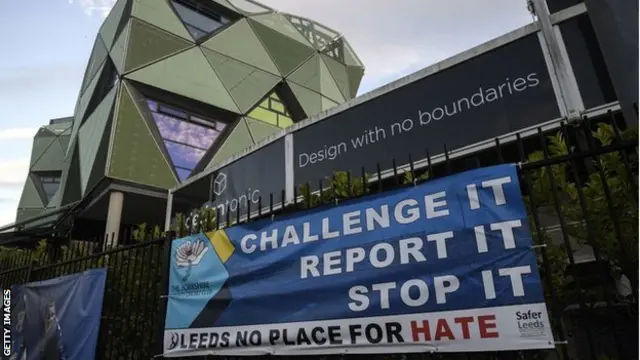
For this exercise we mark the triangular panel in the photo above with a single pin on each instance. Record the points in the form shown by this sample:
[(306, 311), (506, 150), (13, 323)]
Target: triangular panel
[(308, 74), (249, 7), (84, 99), (238, 140), (287, 53), (40, 146), (260, 130), (328, 85), (51, 159), (119, 50), (30, 197), (90, 135), (185, 142), (355, 74), (160, 14), (310, 101), (328, 103), (148, 44), (98, 55), (70, 182), (246, 84), (64, 141), (241, 43), (135, 154), (110, 26), (272, 110), (55, 200), (279, 23), (350, 56), (188, 74), (100, 162), (339, 73)]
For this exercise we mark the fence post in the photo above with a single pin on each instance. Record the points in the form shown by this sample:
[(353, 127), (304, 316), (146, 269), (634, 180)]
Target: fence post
[(32, 264), (164, 285)]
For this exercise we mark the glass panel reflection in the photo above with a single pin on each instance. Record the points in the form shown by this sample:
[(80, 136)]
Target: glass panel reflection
[(187, 137)]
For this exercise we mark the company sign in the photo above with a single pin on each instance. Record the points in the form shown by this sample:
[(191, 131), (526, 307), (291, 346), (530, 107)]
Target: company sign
[(498, 92), (447, 266), (240, 185)]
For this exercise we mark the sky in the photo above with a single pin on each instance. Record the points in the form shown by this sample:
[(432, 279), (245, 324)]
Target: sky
[(47, 43)]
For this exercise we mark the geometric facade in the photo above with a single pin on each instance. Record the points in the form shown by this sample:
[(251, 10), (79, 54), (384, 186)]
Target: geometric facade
[(175, 86), (45, 169)]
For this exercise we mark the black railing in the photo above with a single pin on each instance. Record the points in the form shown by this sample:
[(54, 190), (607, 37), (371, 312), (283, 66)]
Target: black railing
[(580, 185)]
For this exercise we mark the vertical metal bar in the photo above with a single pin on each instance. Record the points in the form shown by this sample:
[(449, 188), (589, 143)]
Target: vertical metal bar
[(563, 226), (295, 197), (396, 181), (249, 199), (259, 206), (633, 186), (164, 281), (412, 170), (309, 195), (556, 312), (447, 160), (364, 180), (349, 192), (499, 151), (591, 238), (610, 205), (379, 174), (321, 188), (228, 207), (334, 188), (271, 203)]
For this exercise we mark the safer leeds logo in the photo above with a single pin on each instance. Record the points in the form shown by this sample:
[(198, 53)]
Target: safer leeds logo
[(531, 323), (189, 254)]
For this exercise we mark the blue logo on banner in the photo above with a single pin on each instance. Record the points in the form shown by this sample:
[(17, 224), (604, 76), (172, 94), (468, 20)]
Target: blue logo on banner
[(457, 243)]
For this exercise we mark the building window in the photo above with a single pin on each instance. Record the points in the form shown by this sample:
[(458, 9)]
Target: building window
[(186, 136), (199, 20), (273, 111), (50, 184)]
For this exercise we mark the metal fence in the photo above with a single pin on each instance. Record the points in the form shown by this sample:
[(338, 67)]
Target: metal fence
[(580, 184)]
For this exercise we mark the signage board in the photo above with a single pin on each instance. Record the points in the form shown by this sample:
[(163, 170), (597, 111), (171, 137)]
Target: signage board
[(495, 93), (241, 184), (446, 266)]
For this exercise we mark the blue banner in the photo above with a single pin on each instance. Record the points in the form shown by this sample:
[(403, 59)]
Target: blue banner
[(58, 318), (446, 265)]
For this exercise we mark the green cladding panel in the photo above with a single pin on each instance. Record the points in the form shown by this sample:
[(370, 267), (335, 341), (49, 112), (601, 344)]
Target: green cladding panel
[(240, 42), (27, 213), (287, 53), (52, 158), (238, 140), (355, 74), (70, 182), (308, 74), (30, 197), (83, 102), (119, 50), (328, 85), (109, 28), (339, 73), (310, 101), (260, 130), (98, 55), (246, 84), (188, 74), (160, 14), (135, 154), (327, 103), (90, 135), (281, 24), (148, 44)]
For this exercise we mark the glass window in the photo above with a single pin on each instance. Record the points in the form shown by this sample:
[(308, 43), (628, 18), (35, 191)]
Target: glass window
[(186, 141), (198, 21), (50, 184), (273, 111)]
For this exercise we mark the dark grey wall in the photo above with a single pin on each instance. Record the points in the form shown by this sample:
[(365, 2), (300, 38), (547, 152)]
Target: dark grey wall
[(498, 92), (616, 27)]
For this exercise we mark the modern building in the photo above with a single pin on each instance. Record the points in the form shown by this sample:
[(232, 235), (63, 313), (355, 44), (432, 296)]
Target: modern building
[(173, 87)]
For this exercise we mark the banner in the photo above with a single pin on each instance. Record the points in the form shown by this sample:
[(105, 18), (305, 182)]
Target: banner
[(446, 266), (498, 92), (57, 319)]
